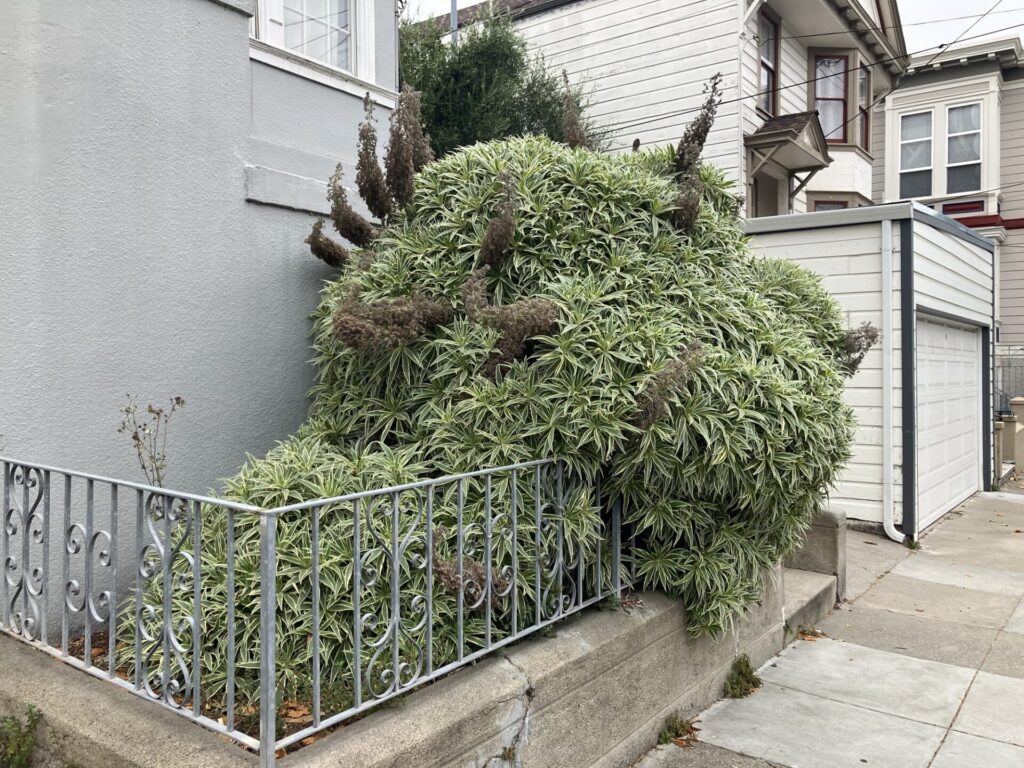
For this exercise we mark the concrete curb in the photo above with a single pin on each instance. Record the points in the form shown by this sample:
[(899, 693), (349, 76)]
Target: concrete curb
[(595, 694)]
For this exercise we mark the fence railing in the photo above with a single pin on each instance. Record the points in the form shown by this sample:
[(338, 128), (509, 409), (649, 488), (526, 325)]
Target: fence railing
[(1008, 383), (272, 625)]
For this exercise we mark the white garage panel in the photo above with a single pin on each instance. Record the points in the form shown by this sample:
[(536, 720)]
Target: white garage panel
[(948, 413)]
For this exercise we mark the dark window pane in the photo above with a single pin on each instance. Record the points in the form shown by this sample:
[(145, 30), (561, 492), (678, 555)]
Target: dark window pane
[(963, 178), (916, 184)]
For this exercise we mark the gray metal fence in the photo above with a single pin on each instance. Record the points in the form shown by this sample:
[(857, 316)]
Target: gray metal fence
[(1008, 383), (360, 598)]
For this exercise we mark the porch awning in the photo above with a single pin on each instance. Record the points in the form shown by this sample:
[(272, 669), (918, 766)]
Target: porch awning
[(796, 142)]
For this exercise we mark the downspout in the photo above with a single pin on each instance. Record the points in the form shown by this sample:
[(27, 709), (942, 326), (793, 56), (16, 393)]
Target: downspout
[(888, 503)]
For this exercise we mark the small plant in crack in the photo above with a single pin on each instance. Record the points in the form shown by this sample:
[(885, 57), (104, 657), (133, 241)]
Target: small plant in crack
[(742, 680), (678, 730)]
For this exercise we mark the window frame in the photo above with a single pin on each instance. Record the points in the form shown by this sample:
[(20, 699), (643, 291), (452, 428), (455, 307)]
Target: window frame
[(267, 33), (767, 15), (845, 101), (981, 145), (298, 8), (864, 110), (931, 154)]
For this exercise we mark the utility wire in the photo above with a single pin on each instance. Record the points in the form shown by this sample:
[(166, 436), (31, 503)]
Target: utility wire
[(901, 26), (631, 123)]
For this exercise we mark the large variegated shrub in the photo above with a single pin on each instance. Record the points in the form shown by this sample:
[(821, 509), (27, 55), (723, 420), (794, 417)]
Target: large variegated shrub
[(533, 300)]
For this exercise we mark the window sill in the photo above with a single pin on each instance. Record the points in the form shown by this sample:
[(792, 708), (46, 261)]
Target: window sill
[(332, 77), (847, 147)]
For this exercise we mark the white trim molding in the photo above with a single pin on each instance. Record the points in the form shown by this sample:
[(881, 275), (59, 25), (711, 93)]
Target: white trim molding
[(299, 65)]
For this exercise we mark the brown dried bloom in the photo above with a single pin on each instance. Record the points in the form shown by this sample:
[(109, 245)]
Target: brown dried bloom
[(575, 136), (387, 323), (411, 108), (369, 177), (516, 322), (687, 208), (349, 224), (692, 143), (671, 379), (636, 145), (472, 583), (502, 227), (856, 345), (326, 249), (398, 162)]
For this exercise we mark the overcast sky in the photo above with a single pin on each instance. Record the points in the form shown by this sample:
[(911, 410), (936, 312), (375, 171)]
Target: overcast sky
[(1009, 13)]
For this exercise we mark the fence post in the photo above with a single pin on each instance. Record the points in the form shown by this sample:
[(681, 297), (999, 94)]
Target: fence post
[(268, 639), (617, 547)]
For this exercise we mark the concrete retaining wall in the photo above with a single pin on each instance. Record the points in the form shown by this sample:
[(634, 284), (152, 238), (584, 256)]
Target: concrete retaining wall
[(595, 694)]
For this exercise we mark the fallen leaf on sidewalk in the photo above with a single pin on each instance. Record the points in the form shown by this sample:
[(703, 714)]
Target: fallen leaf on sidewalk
[(810, 635)]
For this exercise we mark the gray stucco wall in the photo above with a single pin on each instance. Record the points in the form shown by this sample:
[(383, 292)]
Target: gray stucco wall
[(132, 260)]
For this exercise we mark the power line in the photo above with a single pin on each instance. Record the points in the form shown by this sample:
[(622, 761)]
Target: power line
[(925, 66), (628, 124), (899, 26)]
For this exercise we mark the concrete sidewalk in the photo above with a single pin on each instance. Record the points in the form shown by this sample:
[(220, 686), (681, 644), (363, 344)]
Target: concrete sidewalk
[(924, 667)]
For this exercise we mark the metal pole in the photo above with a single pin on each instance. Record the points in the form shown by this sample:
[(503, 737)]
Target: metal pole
[(268, 641), (455, 22)]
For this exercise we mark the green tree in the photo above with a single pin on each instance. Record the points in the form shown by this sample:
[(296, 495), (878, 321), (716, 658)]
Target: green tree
[(486, 87)]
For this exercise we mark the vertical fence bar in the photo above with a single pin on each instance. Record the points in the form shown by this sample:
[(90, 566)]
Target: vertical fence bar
[(560, 538), (430, 579), (5, 541), (26, 574), (268, 639), (396, 617), (112, 612), (537, 542), (140, 503), (617, 547), (488, 560), (44, 630), (357, 630), (514, 501), (600, 550), (316, 614), (197, 608), (460, 595), (229, 715), (87, 637), (165, 623), (65, 572)]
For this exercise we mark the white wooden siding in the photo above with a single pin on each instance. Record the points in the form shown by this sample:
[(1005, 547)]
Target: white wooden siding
[(645, 64), (849, 261), (952, 276), (878, 153)]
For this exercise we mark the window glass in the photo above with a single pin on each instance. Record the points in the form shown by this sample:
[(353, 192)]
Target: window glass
[(916, 184), (830, 95), (768, 36), (965, 148), (963, 119), (915, 154), (318, 29), (963, 178), (916, 126), (831, 114), (831, 74)]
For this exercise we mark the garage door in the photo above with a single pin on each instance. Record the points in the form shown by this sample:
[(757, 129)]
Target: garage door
[(948, 416)]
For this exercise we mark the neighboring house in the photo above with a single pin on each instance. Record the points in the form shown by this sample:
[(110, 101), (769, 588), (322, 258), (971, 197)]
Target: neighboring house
[(954, 140), (644, 65), (159, 171)]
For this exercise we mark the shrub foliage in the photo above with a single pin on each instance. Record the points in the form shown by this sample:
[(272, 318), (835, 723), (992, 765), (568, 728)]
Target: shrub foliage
[(488, 86), (535, 300)]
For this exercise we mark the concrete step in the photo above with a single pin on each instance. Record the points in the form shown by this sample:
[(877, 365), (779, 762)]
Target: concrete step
[(807, 599)]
